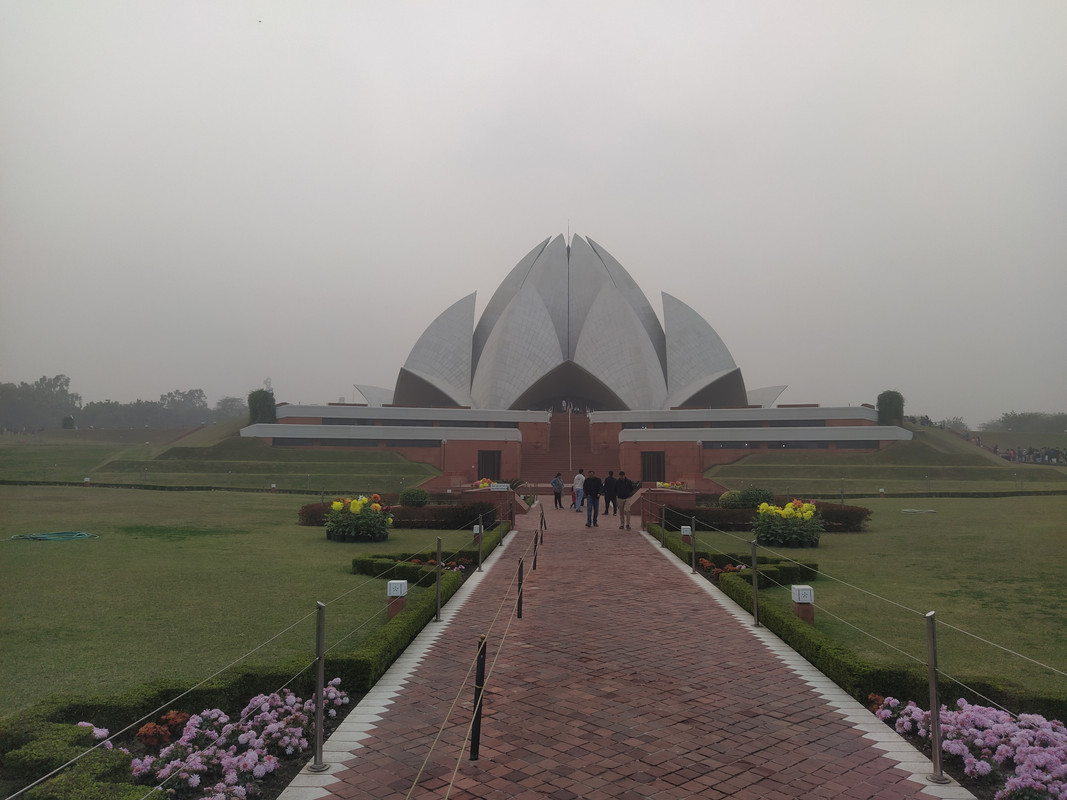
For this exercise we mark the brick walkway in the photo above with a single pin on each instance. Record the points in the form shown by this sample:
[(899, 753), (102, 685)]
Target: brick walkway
[(626, 678)]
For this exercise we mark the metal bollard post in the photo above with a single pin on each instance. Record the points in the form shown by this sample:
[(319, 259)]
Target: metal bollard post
[(439, 571), (693, 541), (519, 605), (481, 533), (317, 764), (479, 687), (755, 588), (935, 706)]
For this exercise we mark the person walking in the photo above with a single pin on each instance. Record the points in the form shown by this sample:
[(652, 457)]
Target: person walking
[(624, 490), (557, 489), (592, 489), (609, 493), (578, 483)]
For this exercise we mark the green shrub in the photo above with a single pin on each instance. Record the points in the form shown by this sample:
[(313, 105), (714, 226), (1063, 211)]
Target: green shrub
[(414, 497), (722, 519), (100, 775), (753, 496), (313, 514), (837, 518), (745, 498), (730, 499), (447, 518), (53, 746)]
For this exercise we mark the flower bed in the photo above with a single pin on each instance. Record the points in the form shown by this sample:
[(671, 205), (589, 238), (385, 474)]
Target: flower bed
[(1020, 758), (796, 524), (218, 759), (363, 519)]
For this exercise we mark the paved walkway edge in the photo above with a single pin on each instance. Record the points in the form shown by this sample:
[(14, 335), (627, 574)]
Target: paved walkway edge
[(895, 747), (345, 740)]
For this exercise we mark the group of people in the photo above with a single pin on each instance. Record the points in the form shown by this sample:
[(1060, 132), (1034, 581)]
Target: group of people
[(586, 491)]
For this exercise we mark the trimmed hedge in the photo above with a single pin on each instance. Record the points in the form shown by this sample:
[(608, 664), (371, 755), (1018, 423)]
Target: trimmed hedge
[(836, 517), (446, 518)]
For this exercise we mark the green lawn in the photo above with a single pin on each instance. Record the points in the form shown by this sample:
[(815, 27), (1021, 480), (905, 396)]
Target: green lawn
[(995, 568), (178, 585)]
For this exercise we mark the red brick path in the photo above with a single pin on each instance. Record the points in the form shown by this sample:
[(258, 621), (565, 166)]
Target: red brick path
[(624, 679)]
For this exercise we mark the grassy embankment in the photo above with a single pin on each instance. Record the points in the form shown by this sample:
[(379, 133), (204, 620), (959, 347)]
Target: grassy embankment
[(934, 461), (211, 456)]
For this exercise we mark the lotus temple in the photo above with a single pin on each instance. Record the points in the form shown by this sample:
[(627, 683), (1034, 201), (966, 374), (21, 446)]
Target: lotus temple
[(569, 366)]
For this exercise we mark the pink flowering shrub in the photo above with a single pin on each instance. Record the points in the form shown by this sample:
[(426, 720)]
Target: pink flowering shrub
[(1028, 754), (219, 759)]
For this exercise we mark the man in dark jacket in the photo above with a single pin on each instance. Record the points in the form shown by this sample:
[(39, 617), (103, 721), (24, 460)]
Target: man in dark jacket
[(624, 489), (593, 487), (609, 492)]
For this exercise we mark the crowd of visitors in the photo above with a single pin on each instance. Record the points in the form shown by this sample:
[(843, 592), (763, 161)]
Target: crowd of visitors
[(588, 489)]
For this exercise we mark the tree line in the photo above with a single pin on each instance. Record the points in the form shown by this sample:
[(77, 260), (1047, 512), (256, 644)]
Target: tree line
[(49, 403)]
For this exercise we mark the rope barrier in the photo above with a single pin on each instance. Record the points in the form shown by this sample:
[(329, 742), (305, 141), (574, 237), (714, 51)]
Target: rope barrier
[(464, 683)]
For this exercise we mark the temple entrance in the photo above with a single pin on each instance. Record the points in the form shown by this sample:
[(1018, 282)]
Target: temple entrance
[(653, 466)]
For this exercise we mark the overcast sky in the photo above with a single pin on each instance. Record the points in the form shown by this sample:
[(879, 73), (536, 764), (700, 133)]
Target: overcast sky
[(856, 196)]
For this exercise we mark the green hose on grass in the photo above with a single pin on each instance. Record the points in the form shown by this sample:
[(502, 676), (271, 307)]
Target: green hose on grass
[(59, 536)]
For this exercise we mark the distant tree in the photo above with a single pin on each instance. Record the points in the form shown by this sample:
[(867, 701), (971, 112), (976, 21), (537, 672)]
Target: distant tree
[(954, 424), (1028, 422), (231, 408), (890, 408), (185, 408), (41, 404), (261, 407), (68, 422)]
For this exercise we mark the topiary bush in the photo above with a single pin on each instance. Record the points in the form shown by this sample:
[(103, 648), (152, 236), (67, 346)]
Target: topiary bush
[(414, 497), (753, 496), (730, 499), (745, 498)]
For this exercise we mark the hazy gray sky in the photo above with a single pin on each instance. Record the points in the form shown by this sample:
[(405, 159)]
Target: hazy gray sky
[(856, 196)]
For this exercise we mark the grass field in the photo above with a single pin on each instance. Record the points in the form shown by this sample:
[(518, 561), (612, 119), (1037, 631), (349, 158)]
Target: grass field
[(178, 585), (995, 568)]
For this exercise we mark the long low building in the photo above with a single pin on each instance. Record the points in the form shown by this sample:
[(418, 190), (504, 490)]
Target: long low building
[(467, 444)]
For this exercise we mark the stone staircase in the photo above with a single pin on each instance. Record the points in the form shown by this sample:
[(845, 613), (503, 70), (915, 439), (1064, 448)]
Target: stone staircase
[(569, 447)]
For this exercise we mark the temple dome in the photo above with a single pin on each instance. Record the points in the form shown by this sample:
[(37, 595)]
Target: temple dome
[(569, 323)]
